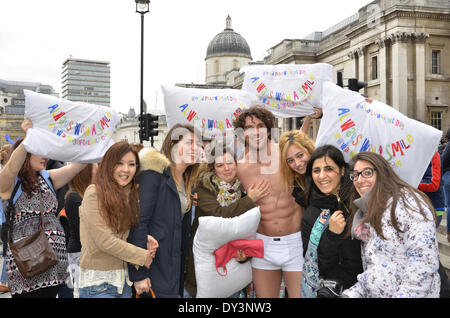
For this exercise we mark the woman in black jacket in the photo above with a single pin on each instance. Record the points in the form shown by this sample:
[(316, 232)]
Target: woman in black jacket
[(329, 187), (166, 181)]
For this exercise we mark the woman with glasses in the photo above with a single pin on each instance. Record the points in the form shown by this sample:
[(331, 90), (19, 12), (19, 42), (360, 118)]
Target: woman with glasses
[(327, 245), (395, 223)]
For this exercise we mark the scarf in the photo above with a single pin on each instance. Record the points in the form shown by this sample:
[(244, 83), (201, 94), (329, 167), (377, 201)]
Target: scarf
[(360, 230), (228, 193), (310, 282)]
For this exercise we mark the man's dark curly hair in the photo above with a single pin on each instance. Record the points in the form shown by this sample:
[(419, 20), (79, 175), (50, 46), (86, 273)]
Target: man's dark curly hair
[(259, 112)]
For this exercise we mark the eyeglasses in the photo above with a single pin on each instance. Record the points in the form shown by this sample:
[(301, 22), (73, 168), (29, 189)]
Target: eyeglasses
[(365, 173)]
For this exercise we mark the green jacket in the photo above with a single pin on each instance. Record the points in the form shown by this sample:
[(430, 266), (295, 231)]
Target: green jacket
[(208, 206)]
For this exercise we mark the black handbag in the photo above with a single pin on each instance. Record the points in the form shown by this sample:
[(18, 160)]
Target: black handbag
[(32, 254), (330, 288)]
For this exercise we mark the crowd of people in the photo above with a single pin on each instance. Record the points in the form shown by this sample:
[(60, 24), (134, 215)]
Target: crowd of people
[(330, 228)]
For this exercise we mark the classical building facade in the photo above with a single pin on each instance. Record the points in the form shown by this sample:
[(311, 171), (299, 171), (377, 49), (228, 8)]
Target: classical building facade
[(400, 48), (12, 107)]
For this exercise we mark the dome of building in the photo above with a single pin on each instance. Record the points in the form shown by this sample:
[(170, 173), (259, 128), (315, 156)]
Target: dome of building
[(228, 42)]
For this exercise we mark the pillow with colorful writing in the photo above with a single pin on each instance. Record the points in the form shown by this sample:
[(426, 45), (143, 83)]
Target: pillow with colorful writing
[(68, 131), (288, 90), (212, 111), (354, 124)]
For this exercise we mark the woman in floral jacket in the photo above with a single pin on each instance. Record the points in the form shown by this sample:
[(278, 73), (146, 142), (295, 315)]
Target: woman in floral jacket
[(395, 223)]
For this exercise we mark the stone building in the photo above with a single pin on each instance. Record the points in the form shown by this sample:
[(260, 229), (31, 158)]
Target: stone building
[(12, 107), (227, 52), (400, 48)]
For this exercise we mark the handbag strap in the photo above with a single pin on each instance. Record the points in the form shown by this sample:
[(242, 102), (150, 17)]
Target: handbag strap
[(10, 210), (41, 209)]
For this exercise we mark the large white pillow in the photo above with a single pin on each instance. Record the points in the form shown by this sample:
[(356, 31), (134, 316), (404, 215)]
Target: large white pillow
[(288, 90), (212, 111), (354, 124), (212, 233), (68, 131)]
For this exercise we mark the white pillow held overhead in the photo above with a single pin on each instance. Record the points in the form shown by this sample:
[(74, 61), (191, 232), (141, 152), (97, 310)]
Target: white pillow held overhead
[(354, 124), (68, 131)]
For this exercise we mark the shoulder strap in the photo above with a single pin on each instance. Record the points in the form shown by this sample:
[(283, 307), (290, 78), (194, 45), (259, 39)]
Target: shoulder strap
[(9, 213), (46, 175), (13, 193)]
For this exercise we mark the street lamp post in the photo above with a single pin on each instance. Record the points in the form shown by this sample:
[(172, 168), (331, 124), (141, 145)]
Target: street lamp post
[(142, 7)]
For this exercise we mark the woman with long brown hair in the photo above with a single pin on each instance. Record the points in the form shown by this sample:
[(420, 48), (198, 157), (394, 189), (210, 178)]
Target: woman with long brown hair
[(166, 181), (396, 224), (35, 197), (109, 209)]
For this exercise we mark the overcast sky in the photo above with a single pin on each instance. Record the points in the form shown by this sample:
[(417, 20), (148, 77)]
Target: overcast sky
[(36, 36)]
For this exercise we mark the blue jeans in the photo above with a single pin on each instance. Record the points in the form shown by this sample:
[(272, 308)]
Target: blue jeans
[(3, 278), (104, 290), (446, 179)]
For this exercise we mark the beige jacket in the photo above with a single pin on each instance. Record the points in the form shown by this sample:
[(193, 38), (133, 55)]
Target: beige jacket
[(101, 249)]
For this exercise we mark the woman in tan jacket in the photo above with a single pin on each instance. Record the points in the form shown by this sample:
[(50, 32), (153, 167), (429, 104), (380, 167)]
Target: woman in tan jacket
[(109, 209)]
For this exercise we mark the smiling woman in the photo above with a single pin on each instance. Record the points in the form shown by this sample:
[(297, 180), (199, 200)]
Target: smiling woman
[(296, 148), (396, 224), (328, 190), (220, 194), (109, 209), (125, 170)]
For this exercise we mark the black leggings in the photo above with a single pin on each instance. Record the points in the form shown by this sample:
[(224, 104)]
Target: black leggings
[(47, 292)]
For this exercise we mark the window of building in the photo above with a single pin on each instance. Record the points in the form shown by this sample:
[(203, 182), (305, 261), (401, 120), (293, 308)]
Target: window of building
[(374, 73), (436, 119), (217, 66), (235, 64), (435, 59)]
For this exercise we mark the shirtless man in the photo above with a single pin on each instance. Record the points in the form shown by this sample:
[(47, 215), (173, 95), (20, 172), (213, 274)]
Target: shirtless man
[(279, 227)]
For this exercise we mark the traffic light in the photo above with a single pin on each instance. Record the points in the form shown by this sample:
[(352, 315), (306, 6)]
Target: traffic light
[(148, 125), (339, 79), (152, 125), (355, 85)]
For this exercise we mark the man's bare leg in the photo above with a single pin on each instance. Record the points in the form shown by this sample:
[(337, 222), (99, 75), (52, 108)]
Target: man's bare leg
[(267, 283), (292, 282)]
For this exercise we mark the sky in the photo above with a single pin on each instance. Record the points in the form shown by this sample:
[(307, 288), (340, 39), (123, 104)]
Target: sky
[(36, 37)]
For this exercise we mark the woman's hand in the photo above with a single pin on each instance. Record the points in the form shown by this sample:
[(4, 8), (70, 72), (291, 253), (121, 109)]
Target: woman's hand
[(152, 245), (317, 113), (240, 256), (337, 222), (256, 192), (143, 286), (195, 199), (149, 259), (26, 124)]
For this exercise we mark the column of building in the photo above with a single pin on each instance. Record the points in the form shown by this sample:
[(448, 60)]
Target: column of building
[(382, 70), (419, 40), (399, 71), (362, 56)]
